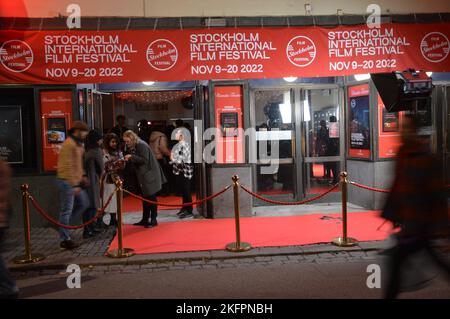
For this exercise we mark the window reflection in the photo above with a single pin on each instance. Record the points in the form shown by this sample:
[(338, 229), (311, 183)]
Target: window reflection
[(321, 118), (274, 132)]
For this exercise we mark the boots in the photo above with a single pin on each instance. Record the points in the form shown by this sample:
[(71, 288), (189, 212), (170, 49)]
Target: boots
[(113, 220)]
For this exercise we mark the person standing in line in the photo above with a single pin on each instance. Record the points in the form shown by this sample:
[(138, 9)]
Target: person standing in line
[(120, 128), (183, 169), (114, 163), (71, 180), (8, 287), (160, 147), (93, 161), (149, 174)]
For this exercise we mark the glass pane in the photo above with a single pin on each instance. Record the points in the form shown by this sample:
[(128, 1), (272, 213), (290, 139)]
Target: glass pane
[(321, 117), (319, 177), (274, 132), (279, 182)]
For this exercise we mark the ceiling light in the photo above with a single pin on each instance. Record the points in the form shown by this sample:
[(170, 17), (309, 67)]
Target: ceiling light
[(362, 77), (148, 83), (290, 78)]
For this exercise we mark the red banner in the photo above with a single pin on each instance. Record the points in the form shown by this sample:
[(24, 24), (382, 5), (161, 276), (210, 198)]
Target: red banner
[(222, 53)]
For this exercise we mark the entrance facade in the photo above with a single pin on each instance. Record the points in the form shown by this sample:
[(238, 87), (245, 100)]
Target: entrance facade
[(304, 123)]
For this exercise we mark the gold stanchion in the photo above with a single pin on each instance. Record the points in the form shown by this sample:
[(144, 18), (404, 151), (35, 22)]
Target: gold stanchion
[(237, 246), (28, 258), (344, 241), (120, 252)]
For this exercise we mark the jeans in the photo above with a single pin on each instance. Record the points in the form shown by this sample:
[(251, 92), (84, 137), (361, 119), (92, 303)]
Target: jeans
[(71, 205), (7, 284)]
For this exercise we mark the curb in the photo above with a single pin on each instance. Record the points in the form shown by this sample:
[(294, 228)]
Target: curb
[(90, 262)]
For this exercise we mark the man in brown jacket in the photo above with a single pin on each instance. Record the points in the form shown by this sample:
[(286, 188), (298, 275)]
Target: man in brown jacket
[(8, 288), (71, 180)]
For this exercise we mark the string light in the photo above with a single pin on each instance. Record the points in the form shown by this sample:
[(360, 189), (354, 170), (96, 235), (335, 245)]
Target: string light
[(153, 97)]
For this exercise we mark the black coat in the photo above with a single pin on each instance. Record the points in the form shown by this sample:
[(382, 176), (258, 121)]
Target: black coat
[(148, 171), (93, 164)]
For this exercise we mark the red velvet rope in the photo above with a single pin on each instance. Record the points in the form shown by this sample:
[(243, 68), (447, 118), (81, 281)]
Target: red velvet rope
[(178, 205), (379, 190), (57, 223), (271, 201)]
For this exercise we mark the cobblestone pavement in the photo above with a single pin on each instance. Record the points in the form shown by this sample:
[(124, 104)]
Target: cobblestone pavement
[(337, 257), (45, 240)]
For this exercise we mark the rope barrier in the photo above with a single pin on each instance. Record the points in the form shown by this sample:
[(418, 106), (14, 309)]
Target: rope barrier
[(271, 201), (50, 219), (379, 190), (200, 201)]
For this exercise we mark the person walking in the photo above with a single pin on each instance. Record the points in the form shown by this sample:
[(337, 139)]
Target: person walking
[(149, 174), (417, 202), (114, 163), (8, 287), (93, 162), (71, 181), (183, 169)]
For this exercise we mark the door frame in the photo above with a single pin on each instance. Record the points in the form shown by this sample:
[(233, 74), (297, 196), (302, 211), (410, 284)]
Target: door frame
[(299, 158)]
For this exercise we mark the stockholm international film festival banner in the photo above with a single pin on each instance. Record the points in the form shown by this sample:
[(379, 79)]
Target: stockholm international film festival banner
[(222, 53)]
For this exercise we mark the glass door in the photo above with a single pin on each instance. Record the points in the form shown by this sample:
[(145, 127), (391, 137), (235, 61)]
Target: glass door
[(274, 166), (322, 138)]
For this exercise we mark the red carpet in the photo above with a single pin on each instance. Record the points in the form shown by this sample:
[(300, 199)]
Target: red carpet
[(214, 234), (133, 205)]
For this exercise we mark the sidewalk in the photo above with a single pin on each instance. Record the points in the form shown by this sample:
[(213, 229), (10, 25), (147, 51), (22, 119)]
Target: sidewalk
[(91, 253)]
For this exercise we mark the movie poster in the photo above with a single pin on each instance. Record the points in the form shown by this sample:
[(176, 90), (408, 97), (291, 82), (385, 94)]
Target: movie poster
[(359, 121)]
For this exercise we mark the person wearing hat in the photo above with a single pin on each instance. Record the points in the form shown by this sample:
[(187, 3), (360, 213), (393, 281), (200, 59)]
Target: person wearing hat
[(71, 179), (93, 165)]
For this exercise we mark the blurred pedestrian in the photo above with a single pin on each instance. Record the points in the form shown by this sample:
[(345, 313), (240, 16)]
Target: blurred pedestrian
[(114, 163), (417, 203), (8, 288), (149, 175), (93, 163), (183, 169), (71, 181)]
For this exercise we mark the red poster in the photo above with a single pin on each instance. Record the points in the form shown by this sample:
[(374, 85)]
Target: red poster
[(228, 102), (359, 121), (388, 132), (220, 53), (56, 114)]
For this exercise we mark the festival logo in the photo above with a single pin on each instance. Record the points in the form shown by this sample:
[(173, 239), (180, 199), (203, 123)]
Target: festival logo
[(16, 55), (434, 47), (301, 51), (162, 54)]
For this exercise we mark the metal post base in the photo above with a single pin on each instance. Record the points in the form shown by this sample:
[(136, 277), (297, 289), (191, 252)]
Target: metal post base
[(344, 242), (28, 259), (120, 253), (236, 249)]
